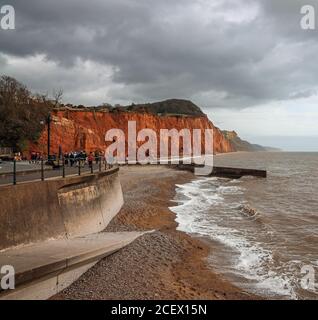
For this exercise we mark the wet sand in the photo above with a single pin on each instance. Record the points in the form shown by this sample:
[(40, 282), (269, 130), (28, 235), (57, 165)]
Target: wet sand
[(164, 264)]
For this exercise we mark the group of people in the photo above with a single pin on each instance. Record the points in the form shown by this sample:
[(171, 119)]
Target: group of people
[(74, 158), (80, 158), (35, 157)]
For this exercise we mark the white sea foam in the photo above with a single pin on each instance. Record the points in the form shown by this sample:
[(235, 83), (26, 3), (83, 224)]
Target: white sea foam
[(254, 262), (230, 190)]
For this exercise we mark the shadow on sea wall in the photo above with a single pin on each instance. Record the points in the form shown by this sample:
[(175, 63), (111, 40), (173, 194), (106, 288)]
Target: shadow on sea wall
[(58, 208)]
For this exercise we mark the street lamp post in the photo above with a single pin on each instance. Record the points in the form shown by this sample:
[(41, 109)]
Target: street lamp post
[(49, 136)]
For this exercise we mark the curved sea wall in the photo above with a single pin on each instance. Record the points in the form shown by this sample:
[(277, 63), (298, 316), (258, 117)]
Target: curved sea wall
[(58, 208), (85, 130)]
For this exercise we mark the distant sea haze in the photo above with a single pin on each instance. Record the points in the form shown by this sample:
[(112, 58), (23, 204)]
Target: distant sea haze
[(287, 143)]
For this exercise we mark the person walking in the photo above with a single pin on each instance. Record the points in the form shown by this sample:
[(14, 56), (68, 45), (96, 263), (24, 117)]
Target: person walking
[(90, 160), (97, 156), (72, 159)]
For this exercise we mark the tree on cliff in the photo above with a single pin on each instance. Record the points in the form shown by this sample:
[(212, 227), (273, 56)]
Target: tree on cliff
[(22, 115)]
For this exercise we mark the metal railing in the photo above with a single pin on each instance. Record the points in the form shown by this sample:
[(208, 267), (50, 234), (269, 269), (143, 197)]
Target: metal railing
[(45, 169)]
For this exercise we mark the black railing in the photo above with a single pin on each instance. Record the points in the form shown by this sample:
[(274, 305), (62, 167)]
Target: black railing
[(14, 172), (46, 169), (42, 170)]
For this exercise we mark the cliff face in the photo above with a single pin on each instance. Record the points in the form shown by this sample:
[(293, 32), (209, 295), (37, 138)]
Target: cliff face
[(241, 145), (85, 130)]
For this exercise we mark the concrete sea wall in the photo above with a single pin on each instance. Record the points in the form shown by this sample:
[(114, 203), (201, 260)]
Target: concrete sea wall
[(58, 208)]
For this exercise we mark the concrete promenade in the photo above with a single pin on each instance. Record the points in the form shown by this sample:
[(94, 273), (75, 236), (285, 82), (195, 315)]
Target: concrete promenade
[(51, 230), (7, 166), (46, 268), (31, 172)]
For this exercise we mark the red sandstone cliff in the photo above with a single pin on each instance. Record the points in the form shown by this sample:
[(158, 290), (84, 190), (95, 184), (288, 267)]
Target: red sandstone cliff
[(85, 130)]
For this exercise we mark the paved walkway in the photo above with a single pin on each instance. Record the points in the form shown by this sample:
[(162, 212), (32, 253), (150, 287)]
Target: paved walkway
[(7, 166), (51, 259), (25, 172)]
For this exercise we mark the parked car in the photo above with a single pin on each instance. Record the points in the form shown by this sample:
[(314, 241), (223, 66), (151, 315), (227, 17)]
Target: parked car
[(6, 154)]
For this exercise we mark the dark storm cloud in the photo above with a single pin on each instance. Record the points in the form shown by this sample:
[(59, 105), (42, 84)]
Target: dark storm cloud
[(222, 53)]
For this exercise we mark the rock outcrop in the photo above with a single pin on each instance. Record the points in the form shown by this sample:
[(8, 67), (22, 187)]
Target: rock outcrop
[(242, 145), (168, 107)]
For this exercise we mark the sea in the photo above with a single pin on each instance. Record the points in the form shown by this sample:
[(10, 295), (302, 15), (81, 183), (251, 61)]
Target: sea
[(263, 232)]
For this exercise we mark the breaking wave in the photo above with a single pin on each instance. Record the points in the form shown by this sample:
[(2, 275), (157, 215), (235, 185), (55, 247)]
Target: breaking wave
[(216, 208)]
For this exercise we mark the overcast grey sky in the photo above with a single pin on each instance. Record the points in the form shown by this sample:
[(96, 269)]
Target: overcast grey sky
[(247, 63)]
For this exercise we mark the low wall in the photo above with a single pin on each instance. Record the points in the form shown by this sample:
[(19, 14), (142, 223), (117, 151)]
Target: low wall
[(224, 172), (58, 208)]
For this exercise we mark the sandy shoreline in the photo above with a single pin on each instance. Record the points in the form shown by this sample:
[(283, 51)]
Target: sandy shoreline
[(165, 264)]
